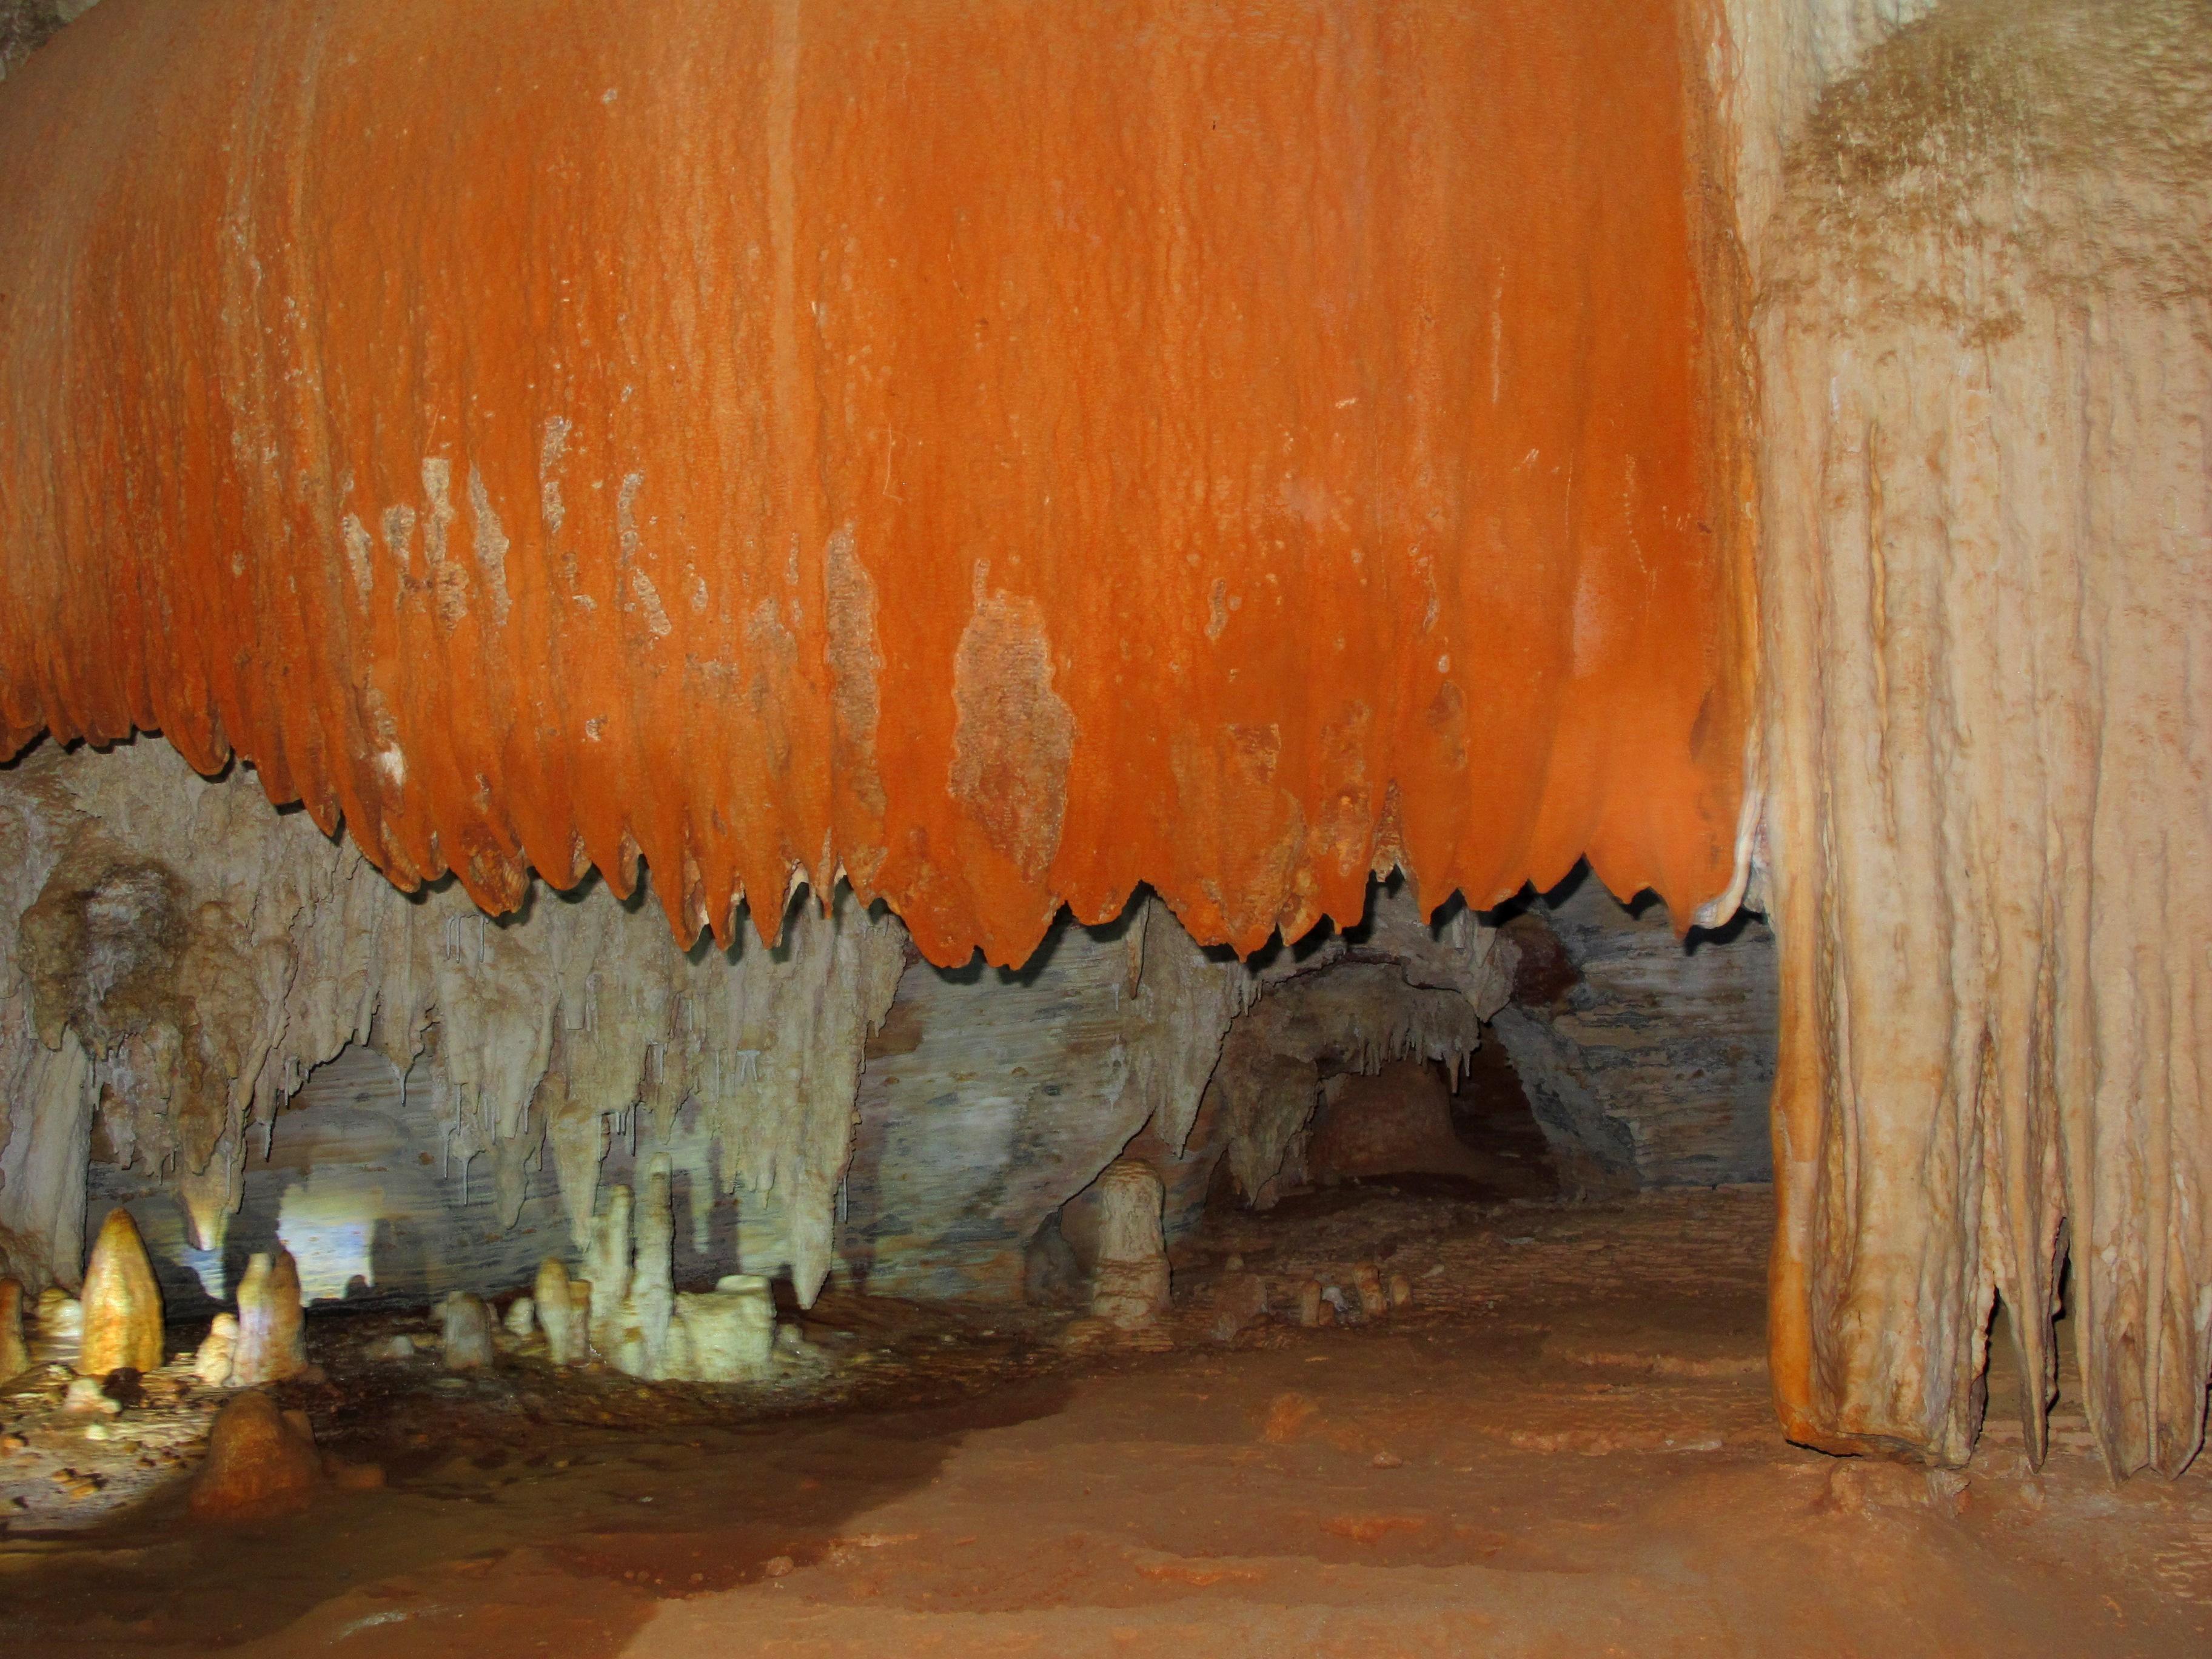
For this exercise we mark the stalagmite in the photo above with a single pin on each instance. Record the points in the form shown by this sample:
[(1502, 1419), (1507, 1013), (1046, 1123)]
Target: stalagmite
[(1130, 1286), (261, 1463), (272, 1339), (14, 1352), (60, 1335), (730, 1334), (562, 1313), (465, 1324), (521, 1317), (607, 1260), (652, 1288), (122, 1303), (216, 1361)]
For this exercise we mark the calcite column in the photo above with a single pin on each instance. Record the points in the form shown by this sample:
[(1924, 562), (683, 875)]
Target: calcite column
[(122, 1303), (1987, 494)]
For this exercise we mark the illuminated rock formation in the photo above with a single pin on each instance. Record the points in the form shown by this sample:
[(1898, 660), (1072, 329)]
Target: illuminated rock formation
[(1307, 452), (122, 1304), (466, 1327), (729, 1335), (272, 1338), (216, 1361), (561, 1314)]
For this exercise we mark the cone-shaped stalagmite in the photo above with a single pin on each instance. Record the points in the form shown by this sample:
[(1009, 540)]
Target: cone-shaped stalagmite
[(122, 1303), (272, 1339), (15, 1355)]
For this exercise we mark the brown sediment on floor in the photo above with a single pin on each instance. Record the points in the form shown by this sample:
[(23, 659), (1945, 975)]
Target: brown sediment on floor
[(1564, 1444)]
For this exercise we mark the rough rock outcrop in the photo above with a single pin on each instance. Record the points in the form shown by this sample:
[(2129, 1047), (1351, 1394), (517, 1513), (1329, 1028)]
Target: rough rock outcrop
[(1987, 349), (122, 1303), (1647, 1061)]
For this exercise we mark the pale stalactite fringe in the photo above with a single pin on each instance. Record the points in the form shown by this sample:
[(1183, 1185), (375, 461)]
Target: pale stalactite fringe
[(584, 1010)]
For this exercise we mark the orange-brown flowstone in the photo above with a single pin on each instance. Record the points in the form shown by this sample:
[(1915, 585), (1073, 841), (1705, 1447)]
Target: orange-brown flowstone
[(1007, 452)]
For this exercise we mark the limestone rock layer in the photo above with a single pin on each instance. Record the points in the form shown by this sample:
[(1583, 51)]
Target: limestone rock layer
[(1987, 344), (1007, 453)]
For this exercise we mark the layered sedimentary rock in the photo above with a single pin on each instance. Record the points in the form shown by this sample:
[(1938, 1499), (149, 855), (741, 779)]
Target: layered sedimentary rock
[(1647, 1061), (1987, 345), (1007, 453)]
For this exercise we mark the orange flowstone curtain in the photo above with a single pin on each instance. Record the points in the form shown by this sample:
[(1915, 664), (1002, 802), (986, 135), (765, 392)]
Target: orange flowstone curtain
[(1006, 451)]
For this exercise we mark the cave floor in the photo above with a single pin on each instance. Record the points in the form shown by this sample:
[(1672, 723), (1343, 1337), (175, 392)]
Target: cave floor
[(1563, 1447)]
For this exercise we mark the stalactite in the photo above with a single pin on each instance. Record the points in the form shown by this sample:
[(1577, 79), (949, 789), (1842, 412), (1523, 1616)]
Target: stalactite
[(183, 957)]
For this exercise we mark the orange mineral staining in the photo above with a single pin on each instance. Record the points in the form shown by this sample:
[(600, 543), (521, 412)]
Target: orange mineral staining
[(1007, 453)]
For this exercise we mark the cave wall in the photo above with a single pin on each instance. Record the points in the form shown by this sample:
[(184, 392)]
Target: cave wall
[(1647, 1059), (549, 1057)]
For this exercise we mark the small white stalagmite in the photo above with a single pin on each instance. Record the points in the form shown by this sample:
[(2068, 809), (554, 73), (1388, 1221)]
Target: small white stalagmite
[(561, 1313)]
